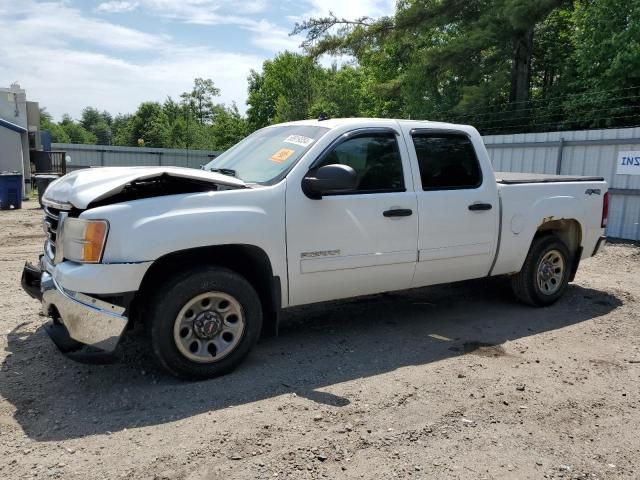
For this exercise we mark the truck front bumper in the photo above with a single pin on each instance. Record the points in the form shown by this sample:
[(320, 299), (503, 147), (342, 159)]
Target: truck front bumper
[(86, 320)]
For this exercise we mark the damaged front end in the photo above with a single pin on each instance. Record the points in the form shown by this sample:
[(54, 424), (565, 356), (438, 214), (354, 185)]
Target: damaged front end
[(92, 187), (76, 319), (79, 319), (159, 186)]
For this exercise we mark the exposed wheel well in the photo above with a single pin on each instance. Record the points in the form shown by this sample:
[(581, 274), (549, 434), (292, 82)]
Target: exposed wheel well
[(247, 260), (570, 232)]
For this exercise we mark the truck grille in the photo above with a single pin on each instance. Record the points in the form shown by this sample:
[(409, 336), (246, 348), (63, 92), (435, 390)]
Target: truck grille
[(50, 224)]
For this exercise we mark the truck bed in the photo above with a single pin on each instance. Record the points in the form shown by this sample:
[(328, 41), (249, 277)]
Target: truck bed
[(514, 178)]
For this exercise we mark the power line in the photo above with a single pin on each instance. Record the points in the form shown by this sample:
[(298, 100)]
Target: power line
[(546, 100), (560, 123), (559, 108), (535, 116)]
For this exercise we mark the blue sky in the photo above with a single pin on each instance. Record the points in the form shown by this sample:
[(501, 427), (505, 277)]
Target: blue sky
[(115, 54)]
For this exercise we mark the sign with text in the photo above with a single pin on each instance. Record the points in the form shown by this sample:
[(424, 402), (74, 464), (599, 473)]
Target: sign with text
[(628, 163)]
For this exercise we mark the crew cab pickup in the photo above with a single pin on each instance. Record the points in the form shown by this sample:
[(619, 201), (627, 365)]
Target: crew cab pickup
[(297, 213)]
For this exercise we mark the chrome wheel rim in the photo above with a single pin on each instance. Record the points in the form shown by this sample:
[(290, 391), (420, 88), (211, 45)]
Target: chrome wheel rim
[(550, 272), (209, 327)]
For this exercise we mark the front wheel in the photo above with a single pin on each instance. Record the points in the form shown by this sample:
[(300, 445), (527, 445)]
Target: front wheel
[(204, 323), (545, 273)]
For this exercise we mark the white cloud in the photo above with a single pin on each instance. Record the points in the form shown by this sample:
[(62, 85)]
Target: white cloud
[(268, 36), (77, 79), (265, 34), (65, 76), (83, 60), (59, 23), (116, 6), (206, 11), (351, 9)]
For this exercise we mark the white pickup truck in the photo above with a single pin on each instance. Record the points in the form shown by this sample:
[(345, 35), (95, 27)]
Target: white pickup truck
[(297, 213)]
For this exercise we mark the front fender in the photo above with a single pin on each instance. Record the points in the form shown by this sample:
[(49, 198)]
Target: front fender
[(145, 230)]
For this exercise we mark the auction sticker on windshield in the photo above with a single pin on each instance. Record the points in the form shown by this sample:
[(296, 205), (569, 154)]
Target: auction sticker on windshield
[(299, 140), (282, 155)]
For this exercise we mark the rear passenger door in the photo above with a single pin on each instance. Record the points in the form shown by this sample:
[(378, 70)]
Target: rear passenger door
[(457, 208)]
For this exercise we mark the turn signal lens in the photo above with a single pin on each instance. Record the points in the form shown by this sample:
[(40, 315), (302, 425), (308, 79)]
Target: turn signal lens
[(94, 236), (84, 240)]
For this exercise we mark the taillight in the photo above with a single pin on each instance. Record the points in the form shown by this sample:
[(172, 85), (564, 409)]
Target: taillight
[(605, 210)]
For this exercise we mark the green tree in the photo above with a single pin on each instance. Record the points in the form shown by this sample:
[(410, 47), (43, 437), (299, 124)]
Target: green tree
[(200, 99), (606, 39), (121, 133), (283, 91), (440, 56), (340, 92), (58, 134), (102, 132), (150, 124), (98, 123), (228, 128), (76, 132)]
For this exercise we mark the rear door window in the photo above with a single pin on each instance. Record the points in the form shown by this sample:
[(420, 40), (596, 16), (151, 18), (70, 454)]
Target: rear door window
[(447, 161)]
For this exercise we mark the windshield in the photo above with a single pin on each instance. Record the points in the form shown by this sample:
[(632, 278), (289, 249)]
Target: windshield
[(266, 155)]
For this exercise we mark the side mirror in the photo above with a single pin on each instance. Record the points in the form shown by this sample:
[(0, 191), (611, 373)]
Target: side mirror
[(334, 178)]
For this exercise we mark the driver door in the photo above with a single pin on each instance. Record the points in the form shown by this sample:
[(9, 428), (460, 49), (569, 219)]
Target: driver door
[(360, 242)]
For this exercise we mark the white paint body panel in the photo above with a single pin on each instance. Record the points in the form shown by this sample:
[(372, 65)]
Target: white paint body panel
[(145, 230), (372, 251), (454, 243), (536, 202), (339, 246), (99, 278)]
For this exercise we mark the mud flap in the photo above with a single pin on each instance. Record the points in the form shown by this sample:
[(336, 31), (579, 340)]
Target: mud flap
[(575, 264)]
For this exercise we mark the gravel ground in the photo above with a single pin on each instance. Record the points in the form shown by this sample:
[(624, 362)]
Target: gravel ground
[(456, 381)]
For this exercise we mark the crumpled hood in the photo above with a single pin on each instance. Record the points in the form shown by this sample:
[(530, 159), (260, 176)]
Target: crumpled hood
[(82, 187)]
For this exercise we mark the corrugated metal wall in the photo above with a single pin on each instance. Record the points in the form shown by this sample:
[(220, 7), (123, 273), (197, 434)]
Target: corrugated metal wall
[(84, 156), (585, 152)]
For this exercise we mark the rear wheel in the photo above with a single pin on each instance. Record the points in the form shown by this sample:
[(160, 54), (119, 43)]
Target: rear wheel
[(545, 273), (204, 323)]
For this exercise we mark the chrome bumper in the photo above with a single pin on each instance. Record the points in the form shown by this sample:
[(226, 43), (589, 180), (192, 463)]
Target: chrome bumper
[(88, 320)]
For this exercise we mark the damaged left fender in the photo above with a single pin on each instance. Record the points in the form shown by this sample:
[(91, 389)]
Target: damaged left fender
[(145, 230)]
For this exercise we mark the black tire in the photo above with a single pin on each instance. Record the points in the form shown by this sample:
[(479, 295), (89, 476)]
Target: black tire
[(525, 283), (175, 294)]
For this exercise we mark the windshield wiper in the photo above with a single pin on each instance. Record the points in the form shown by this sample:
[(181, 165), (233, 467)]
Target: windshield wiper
[(225, 171)]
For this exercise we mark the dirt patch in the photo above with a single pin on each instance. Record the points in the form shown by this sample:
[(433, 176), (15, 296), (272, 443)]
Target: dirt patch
[(484, 349), (457, 381)]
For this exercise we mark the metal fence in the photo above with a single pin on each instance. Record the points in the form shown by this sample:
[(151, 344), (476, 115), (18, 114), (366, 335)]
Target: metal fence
[(85, 156), (585, 152)]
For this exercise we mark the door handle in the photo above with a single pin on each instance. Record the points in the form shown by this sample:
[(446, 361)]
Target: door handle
[(474, 207), (398, 212)]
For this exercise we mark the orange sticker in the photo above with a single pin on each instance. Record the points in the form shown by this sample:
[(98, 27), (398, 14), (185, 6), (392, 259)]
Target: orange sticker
[(282, 154)]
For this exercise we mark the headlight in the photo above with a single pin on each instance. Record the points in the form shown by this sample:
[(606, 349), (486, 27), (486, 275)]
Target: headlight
[(83, 240)]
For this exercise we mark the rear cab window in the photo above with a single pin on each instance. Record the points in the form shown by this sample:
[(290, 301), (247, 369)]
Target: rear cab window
[(447, 161)]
